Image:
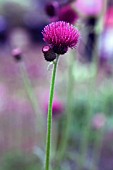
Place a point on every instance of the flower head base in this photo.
(60, 36)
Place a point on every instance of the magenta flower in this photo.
(89, 7)
(57, 108)
(61, 12)
(60, 36)
(68, 14)
(109, 18)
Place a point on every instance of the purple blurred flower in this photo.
(89, 7)
(68, 14)
(109, 18)
(61, 12)
(57, 108)
(61, 35)
(99, 121)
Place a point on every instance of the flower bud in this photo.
(49, 54)
(16, 53)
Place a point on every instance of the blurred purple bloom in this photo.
(61, 35)
(61, 12)
(109, 18)
(57, 108)
(89, 7)
(67, 14)
(99, 120)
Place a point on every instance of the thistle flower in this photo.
(68, 14)
(61, 12)
(57, 107)
(61, 36)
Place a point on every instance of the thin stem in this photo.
(49, 119)
(28, 87)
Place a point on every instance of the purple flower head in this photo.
(57, 108)
(60, 36)
(68, 14)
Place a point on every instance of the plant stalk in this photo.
(49, 119)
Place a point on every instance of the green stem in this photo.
(28, 87)
(49, 120)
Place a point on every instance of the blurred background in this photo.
(82, 134)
